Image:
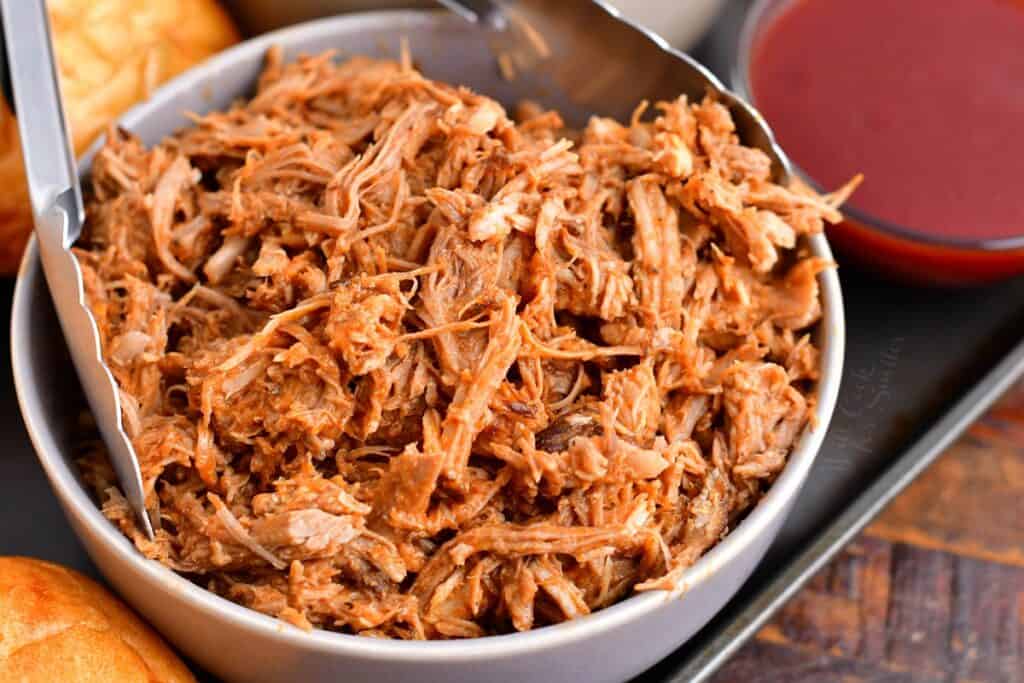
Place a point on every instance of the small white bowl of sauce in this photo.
(926, 99)
(681, 23)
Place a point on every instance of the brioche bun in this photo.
(110, 54)
(57, 625)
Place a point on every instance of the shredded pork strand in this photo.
(398, 365)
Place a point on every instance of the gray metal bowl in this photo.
(242, 645)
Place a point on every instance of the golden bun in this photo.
(57, 625)
(111, 54)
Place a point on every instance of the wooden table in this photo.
(933, 590)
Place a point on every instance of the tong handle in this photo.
(484, 13)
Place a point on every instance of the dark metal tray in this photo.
(921, 365)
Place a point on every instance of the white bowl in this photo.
(680, 22)
(238, 644)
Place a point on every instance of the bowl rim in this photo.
(80, 505)
(760, 17)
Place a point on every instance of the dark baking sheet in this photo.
(921, 365)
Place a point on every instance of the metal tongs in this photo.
(56, 199)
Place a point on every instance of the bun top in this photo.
(111, 54)
(57, 625)
(114, 53)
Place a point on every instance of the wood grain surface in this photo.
(932, 591)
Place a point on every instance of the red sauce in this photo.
(925, 97)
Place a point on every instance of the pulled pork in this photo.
(396, 364)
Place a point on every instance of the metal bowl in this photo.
(238, 644)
